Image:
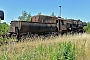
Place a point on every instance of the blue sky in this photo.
(76, 9)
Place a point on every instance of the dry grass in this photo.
(25, 50)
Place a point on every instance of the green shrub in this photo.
(87, 28)
(3, 28)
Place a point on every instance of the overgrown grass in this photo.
(76, 47)
(4, 41)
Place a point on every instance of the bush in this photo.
(87, 28)
(3, 28)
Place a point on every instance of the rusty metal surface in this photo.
(44, 19)
(11, 29)
(61, 19)
(37, 27)
(63, 24)
(25, 27)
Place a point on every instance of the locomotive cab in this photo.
(61, 25)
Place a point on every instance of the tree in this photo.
(28, 17)
(4, 28)
(66, 19)
(25, 16)
(87, 28)
(39, 13)
(52, 14)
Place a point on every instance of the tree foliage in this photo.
(87, 28)
(3, 28)
(39, 13)
(52, 14)
(25, 16)
(66, 19)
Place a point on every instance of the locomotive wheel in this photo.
(18, 37)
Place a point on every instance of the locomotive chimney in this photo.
(60, 11)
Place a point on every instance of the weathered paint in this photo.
(43, 19)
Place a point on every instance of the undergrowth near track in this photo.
(76, 47)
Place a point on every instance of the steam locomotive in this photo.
(41, 24)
